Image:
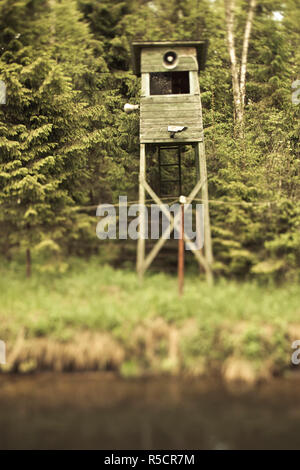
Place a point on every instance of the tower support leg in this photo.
(201, 165)
(141, 240)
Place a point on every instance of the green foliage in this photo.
(65, 142)
(213, 323)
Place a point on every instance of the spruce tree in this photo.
(42, 139)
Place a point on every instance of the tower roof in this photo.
(137, 46)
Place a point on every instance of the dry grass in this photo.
(97, 318)
(87, 351)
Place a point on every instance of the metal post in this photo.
(179, 169)
(181, 253)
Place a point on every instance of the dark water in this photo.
(100, 411)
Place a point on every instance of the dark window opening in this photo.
(169, 83)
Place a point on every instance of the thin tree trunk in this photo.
(28, 263)
(238, 73)
(229, 13)
(52, 4)
(247, 34)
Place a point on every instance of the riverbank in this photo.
(95, 318)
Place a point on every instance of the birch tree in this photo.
(238, 67)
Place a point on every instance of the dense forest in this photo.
(66, 145)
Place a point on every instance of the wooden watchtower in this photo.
(170, 117)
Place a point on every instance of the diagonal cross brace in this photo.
(174, 222)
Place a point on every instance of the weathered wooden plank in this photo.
(161, 126)
(175, 118)
(166, 135)
(161, 107)
(172, 120)
(180, 104)
(152, 59)
(145, 84)
(144, 48)
(194, 85)
(159, 111)
(146, 140)
(159, 60)
(153, 53)
(181, 67)
(162, 117)
(173, 106)
(163, 48)
(169, 111)
(189, 121)
(163, 131)
(157, 129)
(156, 107)
(176, 113)
(203, 177)
(164, 99)
(167, 139)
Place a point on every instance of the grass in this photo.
(156, 330)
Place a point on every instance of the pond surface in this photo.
(100, 411)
